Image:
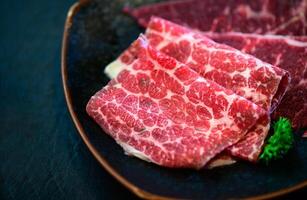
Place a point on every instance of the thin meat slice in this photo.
(221, 160)
(246, 75)
(284, 52)
(161, 111)
(280, 17)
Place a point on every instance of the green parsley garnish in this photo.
(280, 142)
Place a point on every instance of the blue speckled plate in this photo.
(96, 32)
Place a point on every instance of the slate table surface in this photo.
(42, 155)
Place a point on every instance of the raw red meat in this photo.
(286, 53)
(246, 75)
(162, 111)
(282, 17)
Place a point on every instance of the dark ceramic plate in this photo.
(95, 34)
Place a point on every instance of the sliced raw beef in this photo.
(246, 75)
(283, 17)
(161, 111)
(286, 53)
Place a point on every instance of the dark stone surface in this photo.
(42, 156)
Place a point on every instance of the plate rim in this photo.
(73, 10)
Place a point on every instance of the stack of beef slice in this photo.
(200, 87)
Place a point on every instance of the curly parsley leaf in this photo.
(280, 142)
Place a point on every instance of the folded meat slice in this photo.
(161, 111)
(278, 17)
(246, 75)
(288, 53)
